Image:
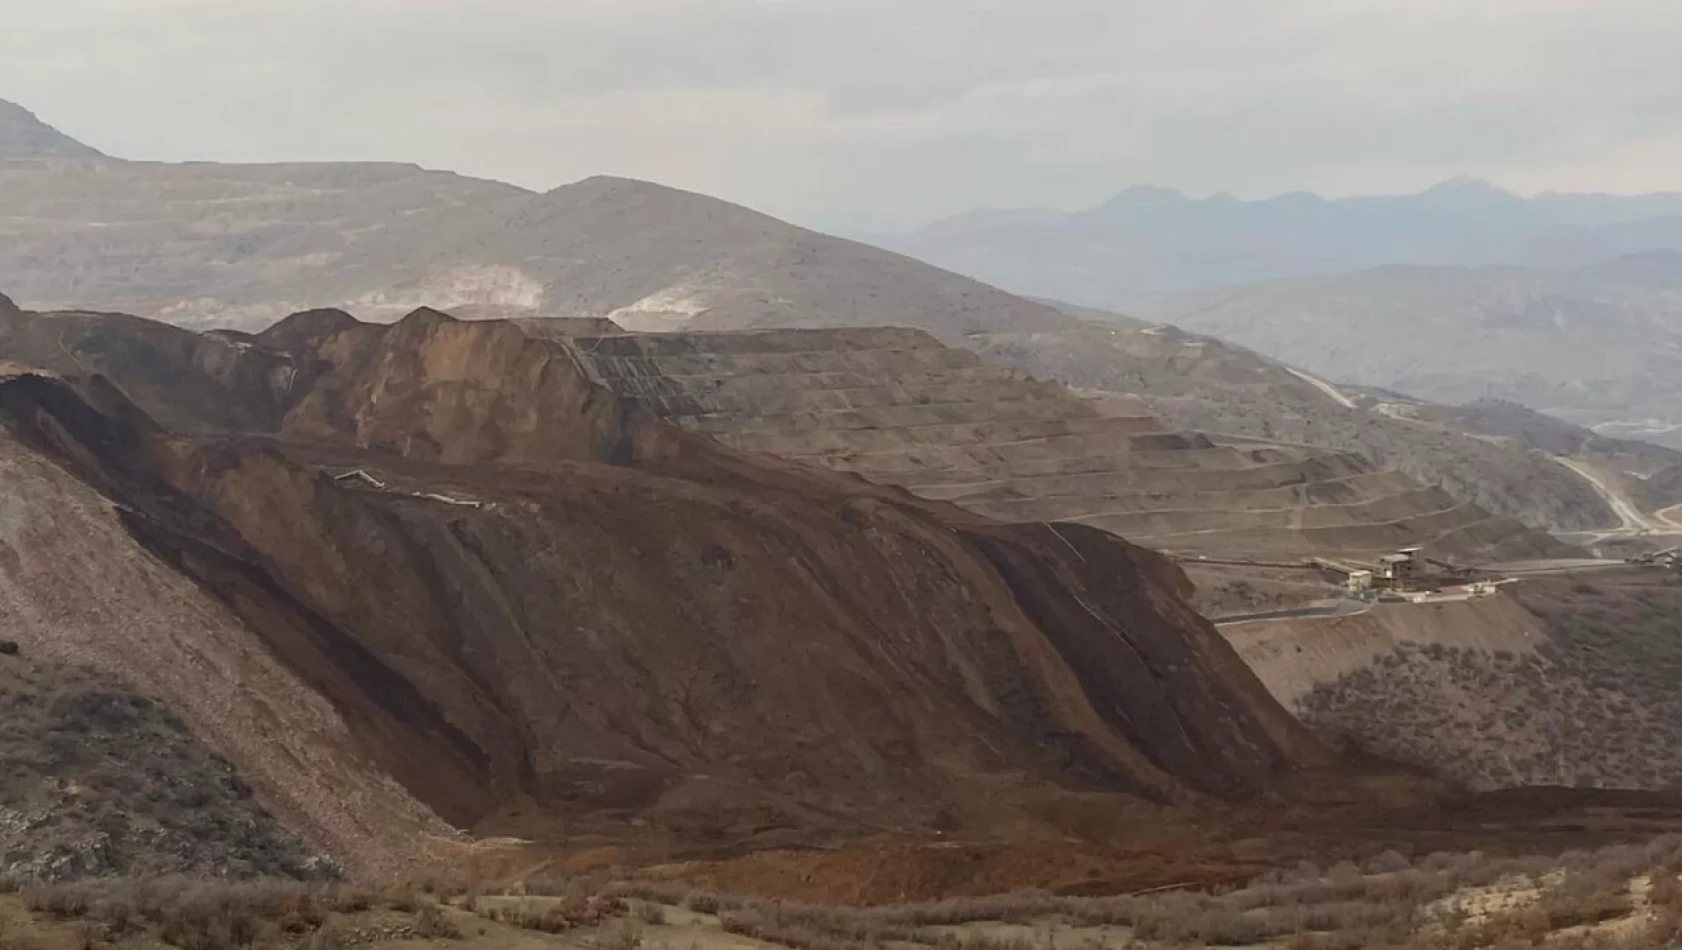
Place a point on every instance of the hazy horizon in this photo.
(871, 114)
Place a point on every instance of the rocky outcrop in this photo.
(547, 612)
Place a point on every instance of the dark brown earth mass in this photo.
(548, 613)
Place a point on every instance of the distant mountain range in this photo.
(1147, 244)
(1571, 304)
(1599, 345)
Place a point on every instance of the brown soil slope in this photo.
(544, 611)
(898, 407)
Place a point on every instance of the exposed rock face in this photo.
(544, 610)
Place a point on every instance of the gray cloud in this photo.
(880, 110)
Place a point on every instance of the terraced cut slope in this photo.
(898, 407)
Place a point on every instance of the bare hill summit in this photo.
(243, 245)
(22, 135)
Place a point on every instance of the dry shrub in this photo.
(405, 900)
(703, 902)
(190, 914)
(622, 936)
(559, 914)
(328, 937)
(430, 923)
(669, 893)
(350, 900)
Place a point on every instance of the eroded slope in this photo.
(545, 611)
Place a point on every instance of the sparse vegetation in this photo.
(1618, 898)
(1594, 706)
(103, 780)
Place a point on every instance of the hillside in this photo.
(102, 780)
(460, 581)
(1557, 681)
(241, 246)
(22, 135)
(1202, 384)
(1599, 346)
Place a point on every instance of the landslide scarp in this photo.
(547, 612)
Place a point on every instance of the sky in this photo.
(881, 114)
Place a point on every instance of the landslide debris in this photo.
(546, 612)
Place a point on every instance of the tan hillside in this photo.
(241, 246)
(899, 408)
(1204, 384)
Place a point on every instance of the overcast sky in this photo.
(881, 113)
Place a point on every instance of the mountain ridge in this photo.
(24, 135)
(1147, 244)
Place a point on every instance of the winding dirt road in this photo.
(1323, 386)
(1635, 522)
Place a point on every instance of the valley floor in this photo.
(1618, 897)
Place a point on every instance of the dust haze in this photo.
(880, 114)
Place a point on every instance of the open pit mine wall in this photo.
(898, 407)
(610, 625)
